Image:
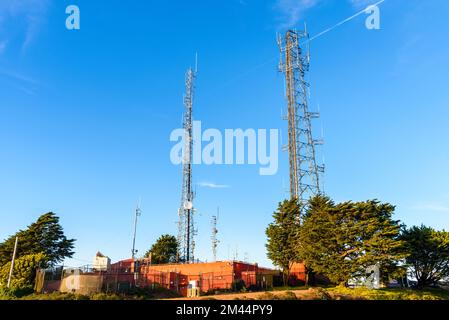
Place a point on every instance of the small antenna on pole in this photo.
(196, 62)
(137, 214)
(308, 42)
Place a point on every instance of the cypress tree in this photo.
(44, 236)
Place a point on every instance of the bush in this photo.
(238, 285)
(253, 288)
(24, 271)
(14, 293)
(105, 296)
(390, 294)
(56, 296)
(6, 294)
(147, 293)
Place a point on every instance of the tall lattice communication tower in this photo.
(304, 170)
(186, 228)
(213, 237)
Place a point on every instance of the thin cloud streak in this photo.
(21, 82)
(292, 11)
(32, 12)
(343, 22)
(212, 185)
(19, 77)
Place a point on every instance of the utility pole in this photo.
(304, 170)
(12, 262)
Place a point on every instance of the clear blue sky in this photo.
(85, 116)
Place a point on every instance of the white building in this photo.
(101, 262)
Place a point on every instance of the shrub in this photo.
(14, 293)
(6, 294)
(390, 294)
(238, 285)
(56, 296)
(24, 272)
(105, 296)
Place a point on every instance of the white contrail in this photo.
(344, 21)
(248, 71)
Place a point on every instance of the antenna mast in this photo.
(137, 214)
(186, 231)
(214, 239)
(304, 170)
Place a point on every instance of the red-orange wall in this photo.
(225, 267)
(298, 271)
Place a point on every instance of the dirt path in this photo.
(309, 294)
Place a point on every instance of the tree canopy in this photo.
(283, 233)
(164, 250)
(428, 254)
(44, 236)
(341, 240)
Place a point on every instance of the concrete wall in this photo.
(83, 283)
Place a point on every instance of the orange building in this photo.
(298, 274)
(210, 276)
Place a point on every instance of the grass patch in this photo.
(133, 294)
(387, 294)
(55, 296)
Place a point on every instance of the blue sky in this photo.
(85, 116)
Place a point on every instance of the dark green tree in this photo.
(44, 236)
(341, 240)
(428, 254)
(164, 250)
(283, 234)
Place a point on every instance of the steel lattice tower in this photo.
(304, 170)
(213, 237)
(186, 231)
